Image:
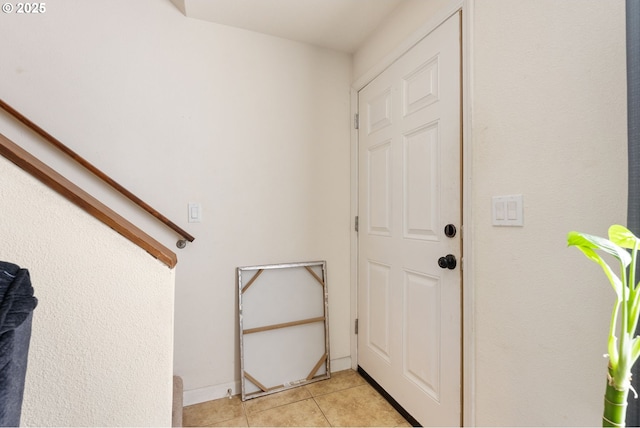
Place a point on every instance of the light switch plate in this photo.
(194, 213)
(507, 211)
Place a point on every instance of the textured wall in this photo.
(102, 338)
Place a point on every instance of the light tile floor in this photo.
(344, 400)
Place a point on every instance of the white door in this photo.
(409, 307)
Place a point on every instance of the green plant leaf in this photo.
(597, 243)
(589, 243)
(623, 237)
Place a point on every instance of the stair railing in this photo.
(98, 173)
(36, 168)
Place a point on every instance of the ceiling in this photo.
(342, 25)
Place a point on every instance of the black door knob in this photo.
(447, 262)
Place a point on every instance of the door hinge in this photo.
(356, 326)
(356, 121)
(357, 223)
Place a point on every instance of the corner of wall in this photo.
(181, 5)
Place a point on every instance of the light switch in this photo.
(507, 211)
(195, 212)
(499, 210)
(512, 210)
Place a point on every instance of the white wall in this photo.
(253, 127)
(548, 122)
(407, 18)
(100, 352)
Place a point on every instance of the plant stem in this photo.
(615, 406)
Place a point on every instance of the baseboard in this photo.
(340, 364)
(214, 392)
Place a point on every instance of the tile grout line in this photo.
(313, 397)
(322, 411)
(329, 393)
(244, 412)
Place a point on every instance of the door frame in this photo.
(468, 340)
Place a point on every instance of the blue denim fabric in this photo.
(16, 314)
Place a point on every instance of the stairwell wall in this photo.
(102, 335)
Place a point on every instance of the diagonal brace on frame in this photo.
(319, 364)
(315, 275)
(260, 385)
(252, 280)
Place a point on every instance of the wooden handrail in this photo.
(101, 175)
(73, 193)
